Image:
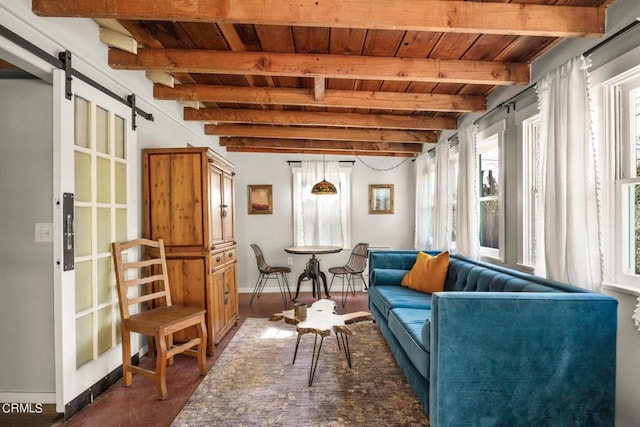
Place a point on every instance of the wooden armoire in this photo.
(189, 202)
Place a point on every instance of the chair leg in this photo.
(126, 357)
(151, 346)
(169, 345)
(286, 282)
(353, 284)
(345, 293)
(257, 290)
(364, 284)
(161, 367)
(202, 347)
(280, 279)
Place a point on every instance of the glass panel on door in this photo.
(101, 216)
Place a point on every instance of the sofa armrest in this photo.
(503, 358)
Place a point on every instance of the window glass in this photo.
(102, 130)
(631, 226)
(635, 131)
(633, 190)
(453, 191)
(530, 144)
(489, 169)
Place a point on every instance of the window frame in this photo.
(493, 135)
(626, 175)
(528, 122)
(609, 84)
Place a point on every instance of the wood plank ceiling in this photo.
(364, 77)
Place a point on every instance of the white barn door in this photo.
(95, 170)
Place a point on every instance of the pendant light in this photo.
(324, 186)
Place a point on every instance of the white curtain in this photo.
(441, 202)
(321, 214)
(425, 184)
(467, 242)
(567, 206)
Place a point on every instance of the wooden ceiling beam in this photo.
(306, 118)
(313, 145)
(332, 98)
(319, 88)
(117, 40)
(425, 15)
(321, 65)
(312, 151)
(335, 134)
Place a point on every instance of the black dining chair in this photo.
(267, 272)
(351, 270)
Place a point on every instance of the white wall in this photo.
(26, 267)
(275, 232)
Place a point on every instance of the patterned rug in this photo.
(254, 383)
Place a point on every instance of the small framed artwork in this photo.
(381, 198)
(260, 199)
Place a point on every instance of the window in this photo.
(617, 125)
(453, 195)
(628, 183)
(491, 205)
(425, 188)
(327, 205)
(528, 171)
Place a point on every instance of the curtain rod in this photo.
(353, 162)
(503, 104)
(588, 52)
(612, 37)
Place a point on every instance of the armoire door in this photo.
(227, 208)
(215, 205)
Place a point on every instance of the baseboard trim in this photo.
(87, 397)
(25, 397)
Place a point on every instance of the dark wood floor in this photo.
(138, 405)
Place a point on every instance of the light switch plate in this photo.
(44, 231)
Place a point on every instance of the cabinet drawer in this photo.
(217, 259)
(230, 255)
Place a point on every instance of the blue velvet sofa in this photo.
(498, 347)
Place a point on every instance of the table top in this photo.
(313, 249)
(322, 319)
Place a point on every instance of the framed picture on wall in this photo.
(381, 198)
(260, 199)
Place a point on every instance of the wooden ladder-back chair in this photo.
(161, 319)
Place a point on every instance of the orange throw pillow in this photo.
(428, 273)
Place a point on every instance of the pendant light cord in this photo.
(385, 169)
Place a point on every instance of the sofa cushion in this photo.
(406, 325)
(428, 273)
(386, 276)
(386, 298)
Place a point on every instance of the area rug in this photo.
(254, 383)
